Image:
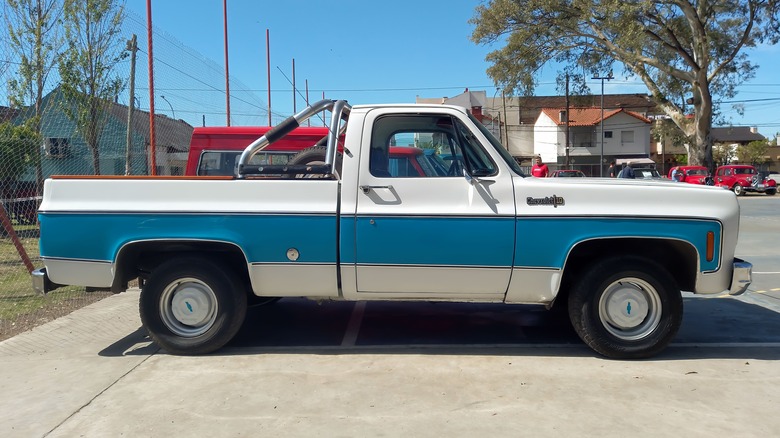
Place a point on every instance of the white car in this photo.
(771, 174)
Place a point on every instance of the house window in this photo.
(626, 137)
(582, 140)
(56, 147)
(607, 134)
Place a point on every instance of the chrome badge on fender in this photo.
(553, 200)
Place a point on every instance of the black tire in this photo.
(192, 305)
(771, 192)
(738, 189)
(315, 155)
(600, 307)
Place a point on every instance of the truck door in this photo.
(434, 236)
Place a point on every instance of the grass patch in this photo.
(21, 308)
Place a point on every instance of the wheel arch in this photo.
(136, 259)
(679, 257)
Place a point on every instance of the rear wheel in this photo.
(738, 189)
(626, 307)
(192, 305)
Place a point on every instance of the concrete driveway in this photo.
(299, 368)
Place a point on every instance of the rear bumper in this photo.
(41, 283)
(741, 277)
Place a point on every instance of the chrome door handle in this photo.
(367, 189)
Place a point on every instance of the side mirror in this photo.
(475, 175)
(480, 173)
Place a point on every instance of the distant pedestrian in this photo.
(627, 171)
(539, 169)
(612, 171)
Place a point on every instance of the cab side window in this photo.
(423, 146)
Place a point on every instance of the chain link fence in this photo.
(189, 91)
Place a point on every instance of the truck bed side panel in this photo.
(83, 235)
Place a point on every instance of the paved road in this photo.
(301, 368)
(759, 242)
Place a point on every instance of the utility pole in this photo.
(268, 70)
(152, 134)
(295, 110)
(567, 122)
(132, 46)
(227, 70)
(506, 124)
(601, 153)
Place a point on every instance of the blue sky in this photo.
(381, 52)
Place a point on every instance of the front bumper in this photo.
(741, 277)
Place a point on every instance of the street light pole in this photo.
(601, 153)
(169, 104)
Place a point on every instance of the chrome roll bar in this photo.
(339, 109)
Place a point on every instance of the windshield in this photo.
(697, 172)
(646, 173)
(508, 158)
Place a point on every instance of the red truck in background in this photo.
(215, 151)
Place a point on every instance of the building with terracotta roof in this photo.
(623, 136)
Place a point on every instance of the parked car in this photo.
(741, 178)
(646, 173)
(690, 174)
(566, 173)
(770, 174)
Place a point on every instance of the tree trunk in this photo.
(96, 160)
(700, 153)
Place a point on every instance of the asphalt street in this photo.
(304, 368)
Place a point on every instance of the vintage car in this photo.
(689, 174)
(742, 178)
(566, 173)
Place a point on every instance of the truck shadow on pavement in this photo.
(712, 328)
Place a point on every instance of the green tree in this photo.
(753, 152)
(678, 48)
(722, 154)
(18, 148)
(35, 37)
(88, 82)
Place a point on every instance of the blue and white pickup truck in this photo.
(336, 225)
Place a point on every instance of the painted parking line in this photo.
(726, 344)
(353, 328)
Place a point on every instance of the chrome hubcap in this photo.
(188, 307)
(630, 309)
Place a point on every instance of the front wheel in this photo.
(626, 308)
(738, 189)
(771, 192)
(192, 305)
